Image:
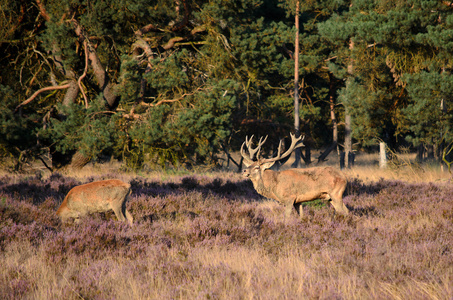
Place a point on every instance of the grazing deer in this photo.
(293, 186)
(97, 196)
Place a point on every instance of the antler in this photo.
(252, 152)
(291, 148)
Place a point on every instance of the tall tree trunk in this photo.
(307, 139)
(348, 130)
(333, 117)
(347, 140)
(296, 87)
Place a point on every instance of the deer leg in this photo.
(337, 199)
(128, 215)
(288, 209)
(299, 209)
(119, 213)
(339, 206)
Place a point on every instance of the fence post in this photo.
(382, 156)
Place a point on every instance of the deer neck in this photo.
(263, 185)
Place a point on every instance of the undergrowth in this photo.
(214, 237)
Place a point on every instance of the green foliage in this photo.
(59, 40)
(425, 119)
(186, 80)
(17, 132)
(172, 69)
(196, 127)
(92, 131)
(370, 109)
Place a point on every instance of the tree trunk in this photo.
(79, 161)
(307, 143)
(59, 160)
(332, 111)
(71, 93)
(107, 87)
(323, 156)
(347, 140)
(296, 87)
(333, 118)
(421, 153)
(347, 119)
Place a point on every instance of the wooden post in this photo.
(382, 156)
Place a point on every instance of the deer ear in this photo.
(246, 163)
(267, 165)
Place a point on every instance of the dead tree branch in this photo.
(49, 88)
(79, 81)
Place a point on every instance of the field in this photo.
(211, 236)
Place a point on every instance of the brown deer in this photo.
(97, 196)
(292, 187)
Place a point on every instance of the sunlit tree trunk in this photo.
(348, 132)
(296, 87)
(332, 110)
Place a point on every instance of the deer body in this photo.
(294, 186)
(94, 197)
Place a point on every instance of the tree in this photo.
(428, 115)
(106, 77)
(390, 40)
(318, 109)
(296, 83)
(178, 82)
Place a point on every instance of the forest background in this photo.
(182, 81)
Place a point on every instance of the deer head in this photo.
(255, 168)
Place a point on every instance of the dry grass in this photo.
(405, 168)
(402, 167)
(210, 236)
(427, 173)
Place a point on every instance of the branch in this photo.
(185, 20)
(372, 45)
(231, 158)
(45, 164)
(98, 69)
(171, 43)
(287, 51)
(142, 44)
(323, 155)
(49, 88)
(146, 29)
(79, 81)
(169, 100)
(20, 18)
(42, 10)
(331, 58)
(160, 102)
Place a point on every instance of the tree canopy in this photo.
(181, 81)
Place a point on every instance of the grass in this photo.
(210, 236)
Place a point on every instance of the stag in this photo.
(97, 196)
(292, 187)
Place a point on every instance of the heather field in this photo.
(212, 236)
